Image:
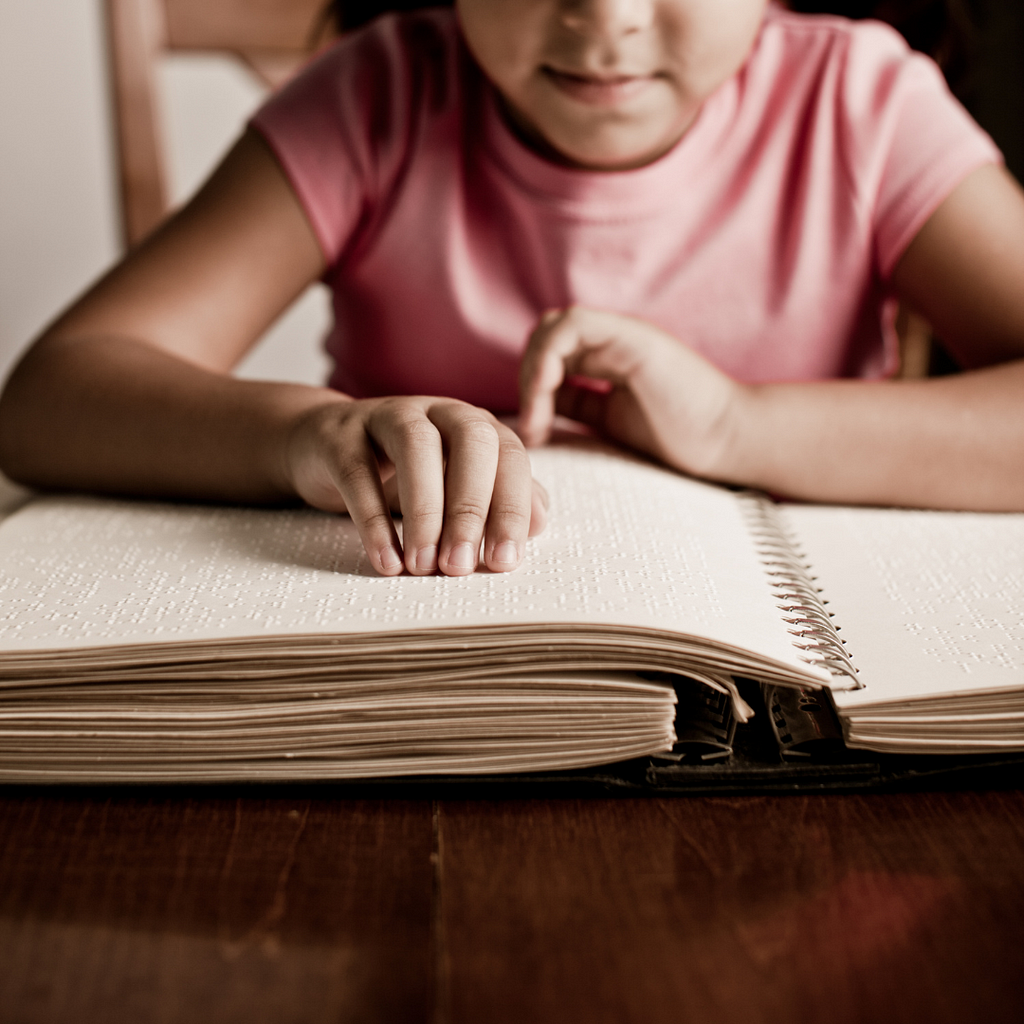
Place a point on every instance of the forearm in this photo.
(115, 415)
(954, 442)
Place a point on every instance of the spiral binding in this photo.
(798, 598)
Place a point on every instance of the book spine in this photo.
(800, 601)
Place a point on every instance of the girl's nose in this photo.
(607, 18)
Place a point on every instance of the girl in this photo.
(704, 208)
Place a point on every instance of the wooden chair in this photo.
(271, 37)
(917, 346)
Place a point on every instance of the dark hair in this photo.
(936, 27)
(349, 14)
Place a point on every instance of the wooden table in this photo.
(306, 906)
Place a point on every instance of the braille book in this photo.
(168, 642)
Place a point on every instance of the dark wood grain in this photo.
(274, 906)
(769, 909)
(135, 908)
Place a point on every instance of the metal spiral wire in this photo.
(799, 600)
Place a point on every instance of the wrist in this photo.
(304, 426)
(711, 428)
(727, 455)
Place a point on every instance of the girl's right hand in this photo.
(457, 475)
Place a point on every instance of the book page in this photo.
(929, 603)
(628, 545)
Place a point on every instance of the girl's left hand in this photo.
(646, 389)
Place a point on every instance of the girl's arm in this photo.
(129, 391)
(952, 442)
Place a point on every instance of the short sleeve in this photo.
(909, 141)
(343, 128)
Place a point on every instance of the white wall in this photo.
(57, 203)
(59, 221)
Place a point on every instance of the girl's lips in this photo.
(597, 91)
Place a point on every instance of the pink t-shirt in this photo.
(764, 239)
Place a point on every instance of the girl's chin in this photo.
(598, 142)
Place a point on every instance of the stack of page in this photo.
(931, 606)
(159, 641)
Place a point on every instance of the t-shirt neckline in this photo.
(603, 195)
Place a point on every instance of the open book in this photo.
(157, 641)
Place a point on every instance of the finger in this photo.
(613, 352)
(472, 445)
(356, 475)
(509, 517)
(541, 372)
(391, 493)
(540, 503)
(411, 441)
(582, 342)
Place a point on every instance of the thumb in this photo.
(585, 400)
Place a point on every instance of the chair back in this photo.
(271, 37)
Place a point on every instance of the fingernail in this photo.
(462, 556)
(426, 558)
(390, 559)
(506, 553)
